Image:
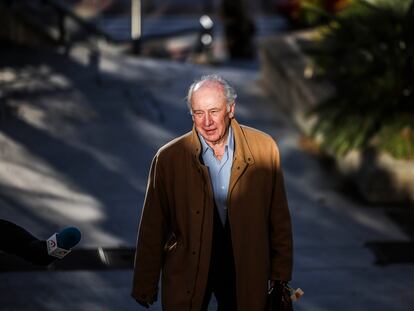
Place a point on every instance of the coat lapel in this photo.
(242, 156)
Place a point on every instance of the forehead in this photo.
(207, 95)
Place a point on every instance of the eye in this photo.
(214, 112)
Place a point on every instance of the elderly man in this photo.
(215, 218)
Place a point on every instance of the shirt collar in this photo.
(229, 144)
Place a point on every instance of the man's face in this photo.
(210, 114)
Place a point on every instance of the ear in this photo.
(231, 111)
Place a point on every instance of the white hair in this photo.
(229, 91)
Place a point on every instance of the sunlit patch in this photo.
(48, 191)
(36, 183)
(153, 134)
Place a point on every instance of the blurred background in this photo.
(90, 89)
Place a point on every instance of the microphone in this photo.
(60, 244)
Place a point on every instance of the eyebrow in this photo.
(200, 110)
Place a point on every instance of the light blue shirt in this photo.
(220, 171)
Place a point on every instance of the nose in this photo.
(207, 120)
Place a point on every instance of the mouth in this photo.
(209, 132)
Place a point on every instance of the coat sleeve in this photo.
(281, 242)
(151, 237)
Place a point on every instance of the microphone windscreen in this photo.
(68, 237)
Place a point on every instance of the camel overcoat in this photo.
(175, 232)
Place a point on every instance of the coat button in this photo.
(238, 167)
(194, 253)
(188, 292)
(197, 212)
(143, 296)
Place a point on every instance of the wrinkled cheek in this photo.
(198, 128)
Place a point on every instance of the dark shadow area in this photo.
(404, 217)
(78, 259)
(395, 252)
(387, 253)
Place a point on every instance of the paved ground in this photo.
(76, 139)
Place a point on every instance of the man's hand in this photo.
(145, 301)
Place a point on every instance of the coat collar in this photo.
(242, 153)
